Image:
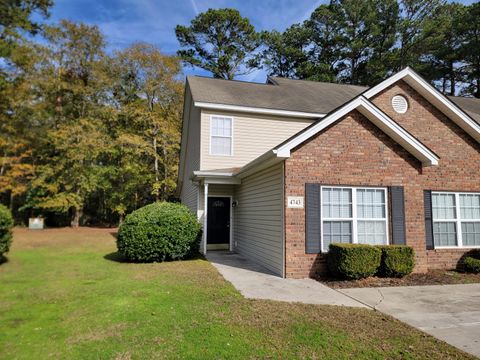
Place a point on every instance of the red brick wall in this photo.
(355, 152)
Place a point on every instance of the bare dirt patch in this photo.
(98, 334)
(124, 356)
(65, 237)
(434, 277)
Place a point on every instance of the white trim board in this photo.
(206, 173)
(284, 242)
(435, 97)
(205, 217)
(257, 110)
(376, 116)
(213, 177)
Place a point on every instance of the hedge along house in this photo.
(278, 171)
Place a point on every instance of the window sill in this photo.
(222, 155)
(456, 247)
(325, 252)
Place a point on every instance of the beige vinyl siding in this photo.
(252, 136)
(191, 158)
(258, 224)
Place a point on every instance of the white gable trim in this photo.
(376, 116)
(257, 110)
(435, 97)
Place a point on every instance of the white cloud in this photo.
(309, 12)
(194, 6)
(126, 21)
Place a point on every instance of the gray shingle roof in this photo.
(292, 95)
(279, 94)
(470, 105)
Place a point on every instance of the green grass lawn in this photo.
(63, 296)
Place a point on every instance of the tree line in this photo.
(346, 41)
(88, 135)
(85, 136)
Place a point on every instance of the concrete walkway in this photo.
(448, 312)
(255, 282)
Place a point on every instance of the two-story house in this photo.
(278, 171)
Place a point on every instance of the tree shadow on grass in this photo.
(3, 259)
(115, 257)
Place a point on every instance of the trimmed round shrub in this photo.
(158, 232)
(472, 263)
(353, 261)
(397, 260)
(6, 225)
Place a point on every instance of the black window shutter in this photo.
(313, 207)
(398, 215)
(427, 202)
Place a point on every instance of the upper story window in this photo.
(221, 135)
(354, 215)
(456, 219)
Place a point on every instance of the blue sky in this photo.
(126, 21)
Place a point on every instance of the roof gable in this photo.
(377, 117)
(432, 95)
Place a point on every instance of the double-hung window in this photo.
(221, 136)
(354, 215)
(456, 219)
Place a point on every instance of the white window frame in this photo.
(458, 221)
(354, 219)
(229, 137)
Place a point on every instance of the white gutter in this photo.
(211, 173)
(257, 110)
(212, 177)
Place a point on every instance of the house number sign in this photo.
(295, 202)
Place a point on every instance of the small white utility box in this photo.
(35, 223)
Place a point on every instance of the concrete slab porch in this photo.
(255, 282)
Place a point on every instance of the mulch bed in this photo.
(436, 277)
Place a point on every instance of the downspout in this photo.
(284, 243)
(205, 216)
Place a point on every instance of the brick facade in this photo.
(355, 152)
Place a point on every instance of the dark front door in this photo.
(218, 223)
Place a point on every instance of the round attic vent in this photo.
(400, 104)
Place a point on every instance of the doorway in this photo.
(218, 222)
